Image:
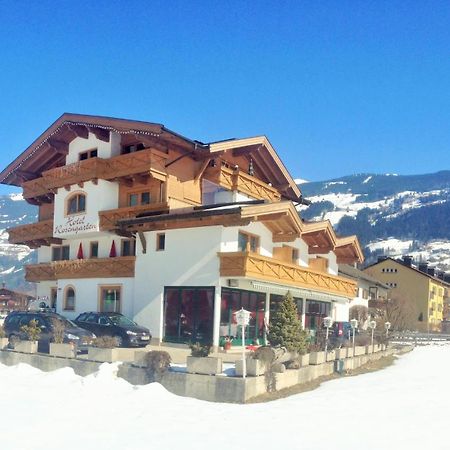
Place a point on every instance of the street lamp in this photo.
(242, 319)
(372, 326)
(354, 325)
(328, 322)
(387, 325)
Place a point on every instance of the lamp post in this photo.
(387, 325)
(242, 319)
(372, 326)
(328, 322)
(354, 325)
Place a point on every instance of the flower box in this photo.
(26, 346)
(104, 354)
(331, 355)
(360, 350)
(316, 358)
(209, 365)
(63, 350)
(254, 367)
(304, 360)
(341, 353)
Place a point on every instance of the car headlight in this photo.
(72, 336)
(131, 333)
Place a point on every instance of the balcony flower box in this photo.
(26, 346)
(209, 365)
(316, 358)
(63, 350)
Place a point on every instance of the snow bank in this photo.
(372, 411)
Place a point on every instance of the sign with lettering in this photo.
(74, 225)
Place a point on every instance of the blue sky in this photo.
(338, 87)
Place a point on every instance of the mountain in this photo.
(15, 211)
(391, 214)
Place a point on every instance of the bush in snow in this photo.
(200, 350)
(157, 363)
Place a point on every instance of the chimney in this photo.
(431, 271)
(407, 260)
(423, 267)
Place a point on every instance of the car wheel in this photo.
(119, 340)
(12, 341)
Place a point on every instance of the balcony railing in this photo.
(146, 161)
(32, 234)
(253, 265)
(122, 266)
(236, 180)
(109, 218)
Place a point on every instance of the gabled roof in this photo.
(400, 263)
(50, 148)
(260, 151)
(356, 274)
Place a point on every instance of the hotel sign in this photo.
(74, 225)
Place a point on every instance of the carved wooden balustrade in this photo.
(146, 162)
(121, 266)
(109, 218)
(253, 265)
(33, 234)
(236, 180)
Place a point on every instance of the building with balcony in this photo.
(422, 286)
(175, 233)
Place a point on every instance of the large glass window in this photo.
(315, 312)
(188, 314)
(110, 299)
(276, 299)
(232, 301)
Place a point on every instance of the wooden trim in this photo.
(118, 267)
(30, 233)
(255, 266)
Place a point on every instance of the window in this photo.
(93, 250)
(250, 240)
(61, 253)
(69, 299)
(110, 299)
(76, 204)
(160, 241)
(53, 297)
(128, 247)
(139, 198)
(132, 148)
(88, 154)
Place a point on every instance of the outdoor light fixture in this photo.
(242, 319)
(387, 326)
(372, 326)
(354, 325)
(328, 323)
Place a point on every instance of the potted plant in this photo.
(199, 361)
(32, 333)
(104, 349)
(3, 338)
(227, 342)
(58, 347)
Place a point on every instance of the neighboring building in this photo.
(423, 287)
(175, 233)
(11, 300)
(371, 292)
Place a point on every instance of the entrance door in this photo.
(188, 314)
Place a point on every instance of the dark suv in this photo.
(126, 332)
(45, 320)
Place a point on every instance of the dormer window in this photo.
(88, 154)
(76, 204)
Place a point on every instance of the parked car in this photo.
(342, 331)
(45, 320)
(126, 332)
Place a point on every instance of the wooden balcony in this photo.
(253, 265)
(34, 234)
(145, 162)
(237, 180)
(109, 218)
(122, 266)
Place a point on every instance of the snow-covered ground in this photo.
(401, 407)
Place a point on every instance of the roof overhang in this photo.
(348, 250)
(50, 148)
(266, 162)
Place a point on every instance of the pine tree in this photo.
(285, 327)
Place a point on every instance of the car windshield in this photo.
(121, 320)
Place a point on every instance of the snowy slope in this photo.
(379, 410)
(391, 214)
